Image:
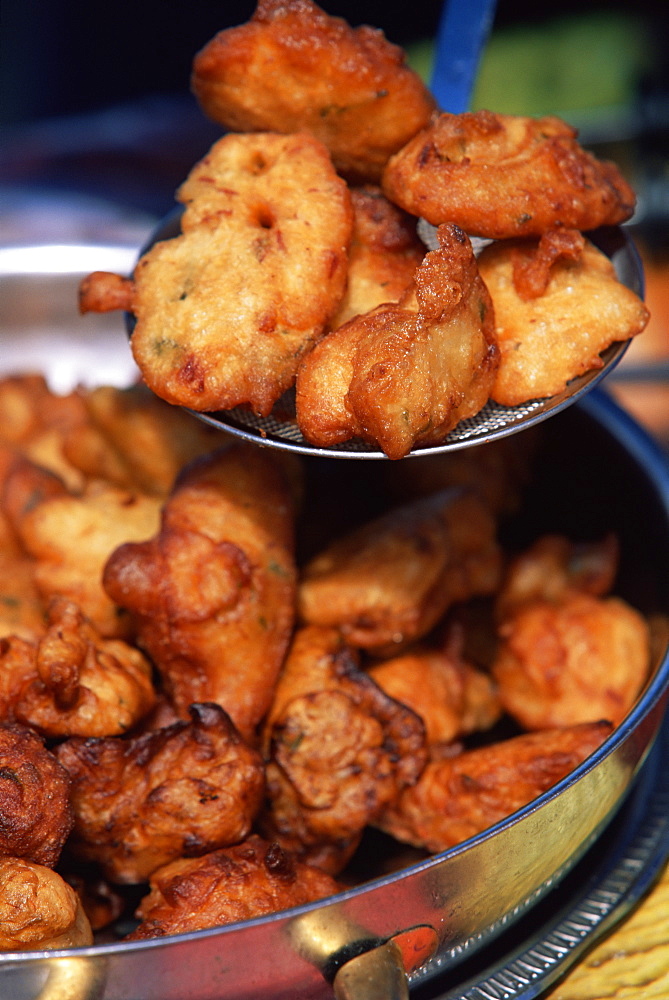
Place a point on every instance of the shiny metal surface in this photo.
(467, 895)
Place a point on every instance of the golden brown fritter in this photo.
(212, 594)
(548, 339)
(135, 440)
(225, 310)
(21, 607)
(38, 909)
(338, 750)
(576, 660)
(35, 421)
(102, 291)
(450, 695)
(457, 797)
(405, 374)
(500, 176)
(388, 582)
(292, 68)
(35, 812)
(553, 567)
(72, 682)
(70, 538)
(236, 883)
(384, 253)
(141, 802)
(567, 653)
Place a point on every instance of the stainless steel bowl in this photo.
(597, 471)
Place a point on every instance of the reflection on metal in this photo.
(375, 975)
(74, 979)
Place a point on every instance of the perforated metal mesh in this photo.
(492, 422)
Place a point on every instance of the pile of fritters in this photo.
(298, 266)
(217, 676)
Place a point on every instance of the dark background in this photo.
(69, 56)
(95, 100)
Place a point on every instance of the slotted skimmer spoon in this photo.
(462, 33)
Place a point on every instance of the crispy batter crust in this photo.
(500, 176)
(405, 374)
(176, 792)
(35, 812)
(72, 682)
(38, 909)
(292, 67)
(547, 339)
(338, 750)
(236, 883)
(225, 311)
(213, 592)
(388, 582)
(460, 796)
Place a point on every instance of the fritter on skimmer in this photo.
(225, 311)
(555, 311)
(180, 791)
(212, 594)
(457, 797)
(406, 373)
(292, 68)
(384, 254)
(38, 909)
(236, 883)
(499, 176)
(338, 750)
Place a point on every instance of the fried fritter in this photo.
(222, 317)
(450, 695)
(293, 68)
(70, 538)
(553, 567)
(236, 883)
(567, 653)
(38, 909)
(457, 797)
(548, 339)
(500, 176)
(212, 594)
(71, 682)
(135, 440)
(35, 421)
(338, 750)
(388, 582)
(35, 812)
(405, 374)
(21, 607)
(580, 659)
(384, 254)
(182, 791)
